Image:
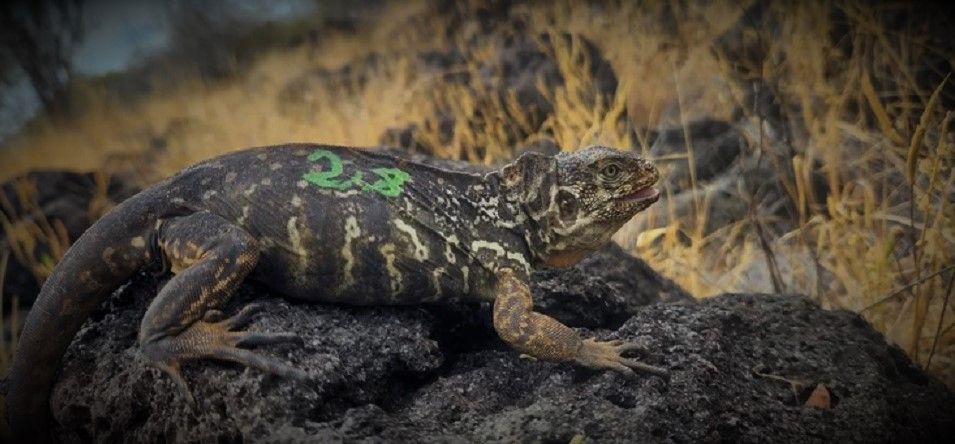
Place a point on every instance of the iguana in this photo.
(334, 224)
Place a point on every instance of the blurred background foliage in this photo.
(806, 146)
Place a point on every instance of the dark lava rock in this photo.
(524, 68)
(715, 145)
(439, 374)
(604, 290)
(721, 161)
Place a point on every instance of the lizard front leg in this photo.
(547, 339)
(210, 258)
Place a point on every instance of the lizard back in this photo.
(360, 227)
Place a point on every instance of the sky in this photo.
(117, 33)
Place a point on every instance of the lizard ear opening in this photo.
(531, 179)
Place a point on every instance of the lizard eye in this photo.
(611, 171)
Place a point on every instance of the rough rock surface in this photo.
(439, 374)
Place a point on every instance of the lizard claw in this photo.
(624, 346)
(607, 355)
(264, 338)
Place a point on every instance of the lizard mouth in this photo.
(648, 194)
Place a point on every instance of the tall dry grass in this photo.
(863, 126)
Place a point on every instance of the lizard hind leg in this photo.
(210, 258)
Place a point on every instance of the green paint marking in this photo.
(390, 181)
(325, 179)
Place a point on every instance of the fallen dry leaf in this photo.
(819, 398)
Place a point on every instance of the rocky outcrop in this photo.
(742, 367)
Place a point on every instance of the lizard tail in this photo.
(100, 261)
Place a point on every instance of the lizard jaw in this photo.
(648, 194)
(629, 205)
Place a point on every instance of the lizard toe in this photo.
(243, 317)
(213, 316)
(625, 346)
(252, 338)
(252, 359)
(643, 367)
(607, 355)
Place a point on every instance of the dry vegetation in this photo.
(863, 123)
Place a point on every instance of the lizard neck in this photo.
(530, 214)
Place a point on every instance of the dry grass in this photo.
(28, 231)
(881, 241)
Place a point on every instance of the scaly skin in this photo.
(334, 224)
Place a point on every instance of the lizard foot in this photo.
(217, 337)
(607, 355)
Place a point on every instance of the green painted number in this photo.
(325, 179)
(390, 181)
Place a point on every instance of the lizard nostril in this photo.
(650, 171)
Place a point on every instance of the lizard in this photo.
(322, 223)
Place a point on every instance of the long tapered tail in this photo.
(100, 261)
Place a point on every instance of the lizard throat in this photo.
(566, 259)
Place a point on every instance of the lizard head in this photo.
(577, 201)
